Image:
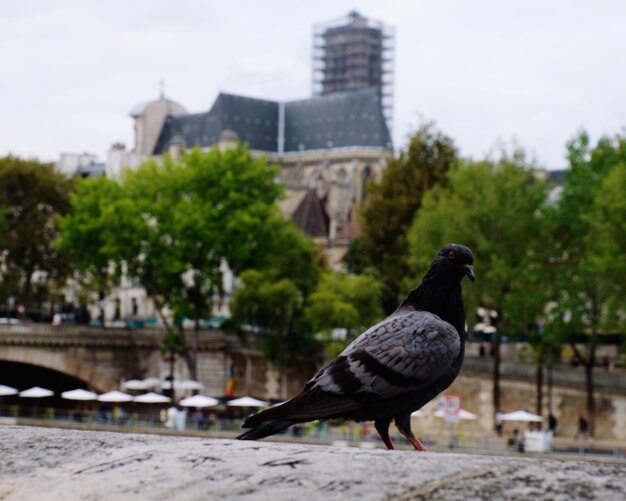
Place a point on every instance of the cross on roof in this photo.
(162, 87)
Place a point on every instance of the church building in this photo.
(327, 146)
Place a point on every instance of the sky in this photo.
(525, 73)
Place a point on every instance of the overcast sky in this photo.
(532, 72)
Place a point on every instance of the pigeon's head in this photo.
(456, 261)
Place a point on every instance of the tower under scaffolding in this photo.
(354, 53)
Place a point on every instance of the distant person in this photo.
(481, 351)
(583, 427)
(170, 417)
(499, 423)
(180, 419)
(515, 441)
(552, 422)
(198, 419)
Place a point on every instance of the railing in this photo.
(562, 375)
(46, 334)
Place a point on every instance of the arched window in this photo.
(366, 175)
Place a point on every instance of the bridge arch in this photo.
(60, 365)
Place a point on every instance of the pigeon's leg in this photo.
(382, 427)
(404, 426)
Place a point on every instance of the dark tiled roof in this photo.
(348, 119)
(310, 216)
(254, 120)
(345, 119)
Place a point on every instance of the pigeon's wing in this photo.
(404, 353)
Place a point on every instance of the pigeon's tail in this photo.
(265, 429)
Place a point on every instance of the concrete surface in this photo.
(55, 464)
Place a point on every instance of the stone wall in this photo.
(47, 463)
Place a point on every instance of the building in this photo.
(327, 147)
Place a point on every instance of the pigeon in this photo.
(393, 368)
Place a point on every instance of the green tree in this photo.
(86, 235)
(173, 226)
(269, 300)
(586, 232)
(496, 210)
(343, 301)
(606, 242)
(32, 195)
(392, 203)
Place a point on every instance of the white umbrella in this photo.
(463, 414)
(199, 401)
(189, 384)
(246, 402)
(152, 382)
(521, 416)
(134, 384)
(79, 394)
(152, 398)
(115, 396)
(7, 390)
(36, 392)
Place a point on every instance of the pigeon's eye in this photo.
(451, 255)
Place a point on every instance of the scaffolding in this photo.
(353, 53)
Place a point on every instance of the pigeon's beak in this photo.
(469, 271)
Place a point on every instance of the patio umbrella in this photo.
(79, 394)
(246, 402)
(152, 398)
(134, 384)
(151, 382)
(463, 414)
(521, 416)
(7, 390)
(115, 396)
(36, 392)
(199, 401)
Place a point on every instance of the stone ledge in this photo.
(58, 464)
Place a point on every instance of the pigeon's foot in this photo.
(403, 422)
(419, 446)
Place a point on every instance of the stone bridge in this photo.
(102, 358)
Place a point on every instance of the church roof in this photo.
(310, 216)
(339, 120)
(348, 119)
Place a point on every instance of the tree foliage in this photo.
(343, 301)
(87, 233)
(392, 203)
(172, 226)
(270, 299)
(32, 195)
(496, 210)
(587, 238)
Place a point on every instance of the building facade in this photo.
(327, 148)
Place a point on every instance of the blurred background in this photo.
(225, 195)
